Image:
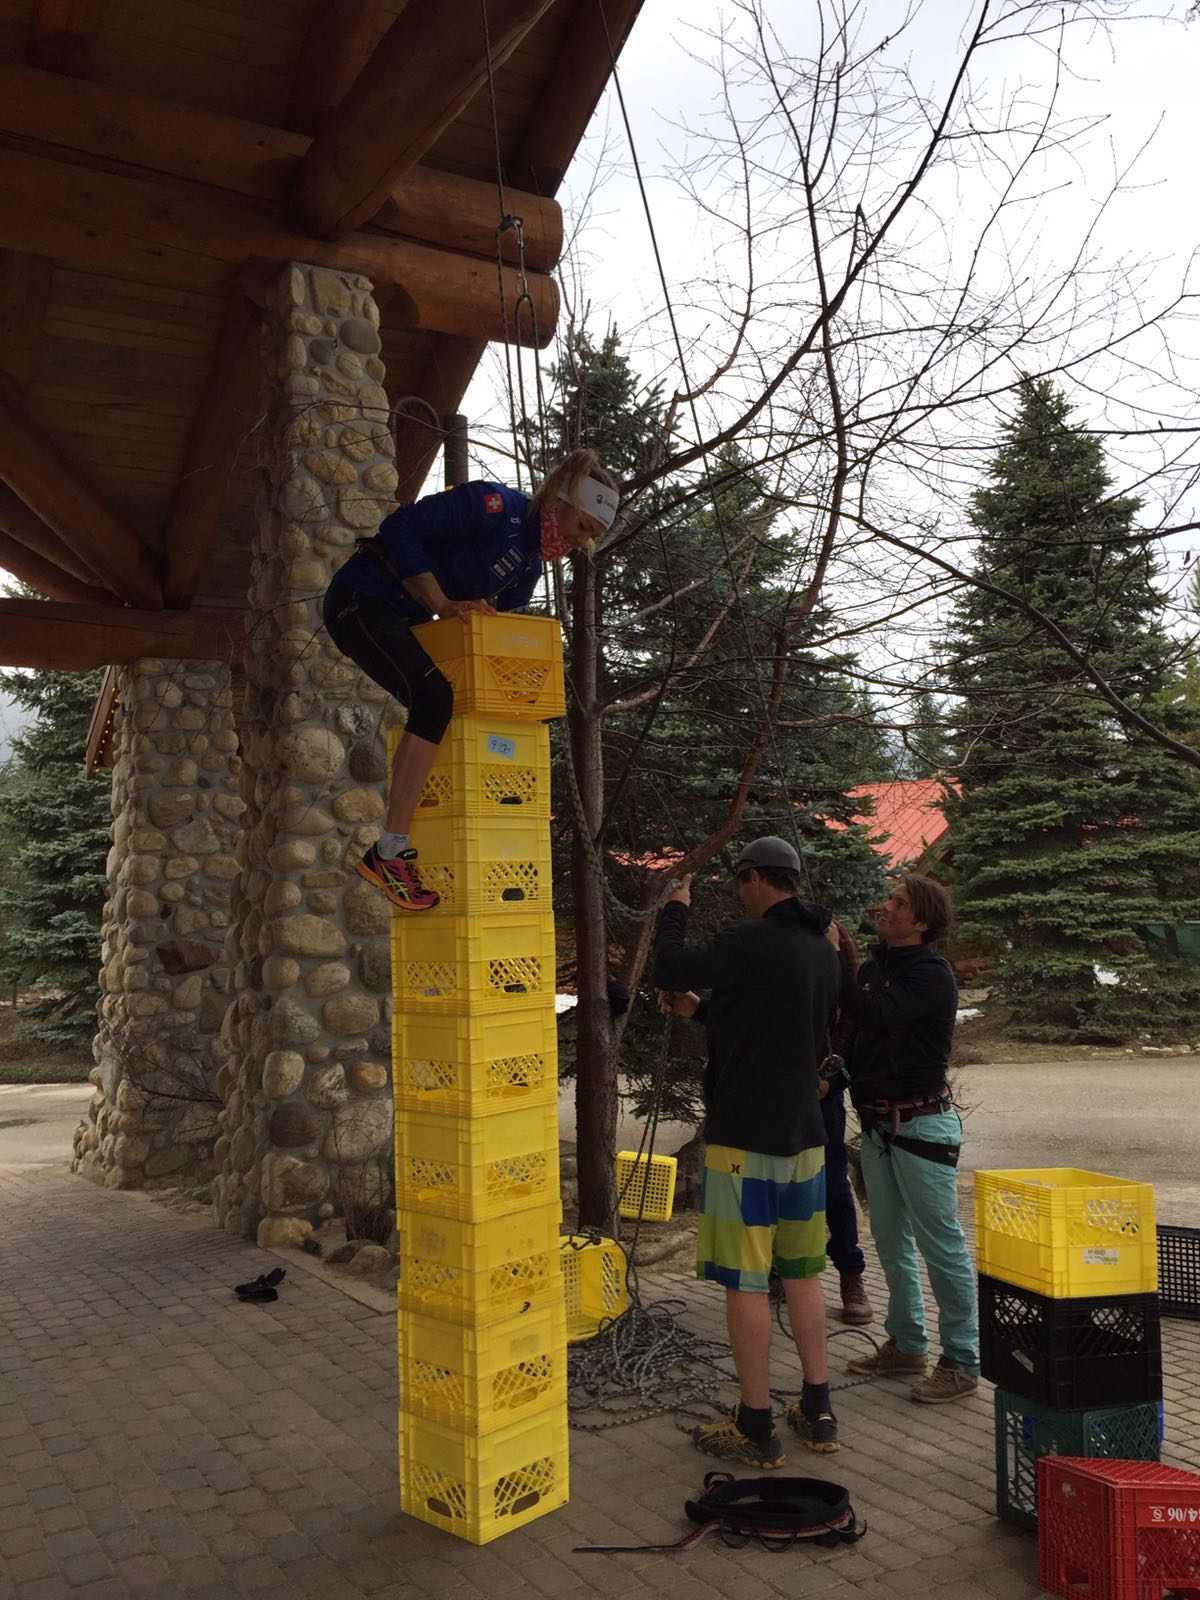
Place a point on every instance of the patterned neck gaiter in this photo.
(553, 544)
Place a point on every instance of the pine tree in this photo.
(1071, 835)
(55, 824)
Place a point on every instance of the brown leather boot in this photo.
(856, 1308)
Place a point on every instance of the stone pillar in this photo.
(176, 817)
(307, 1123)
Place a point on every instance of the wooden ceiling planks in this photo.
(128, 334)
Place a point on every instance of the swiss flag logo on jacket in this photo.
(493, 503)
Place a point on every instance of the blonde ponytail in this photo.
(565, 478)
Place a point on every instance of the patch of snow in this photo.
(564, 1002)
(968, 1014)
(1103, 976)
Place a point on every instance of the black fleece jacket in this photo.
(774, 991)
(903, 1007)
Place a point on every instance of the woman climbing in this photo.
(477, 547)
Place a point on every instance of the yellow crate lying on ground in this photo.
(508, 665)
(476, 1168)
(485, 864)
(484, 963)
(488, 766)
(595, 1283)
(479, 1379)
(1065, 1232)
(480, 1272)
(466, 1064)
(482, 1485)
(655, 1176)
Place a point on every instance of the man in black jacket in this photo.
(903, 1006)
(773, 985)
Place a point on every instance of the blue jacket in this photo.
(481, 541)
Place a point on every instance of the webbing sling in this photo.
(778, 1512)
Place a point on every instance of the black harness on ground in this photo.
(885, 1116)
(778, 1512)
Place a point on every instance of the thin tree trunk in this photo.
(596, 1070)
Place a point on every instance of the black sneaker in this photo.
(818, 1433)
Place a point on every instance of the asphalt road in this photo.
(1137, 1117)
(1134, 1117)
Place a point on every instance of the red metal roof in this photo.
(908, 820)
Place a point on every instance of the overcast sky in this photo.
(1132, 86)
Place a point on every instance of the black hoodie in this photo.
(774, 990)
(903, 1007)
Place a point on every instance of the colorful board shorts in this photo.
(759, 1212)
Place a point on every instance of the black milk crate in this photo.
(1069, 1354)
(1025, 1432)
(1179, 1272)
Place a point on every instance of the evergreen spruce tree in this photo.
(55, 824)
(1072, 835)
(671, 755)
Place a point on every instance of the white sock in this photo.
(391, 844)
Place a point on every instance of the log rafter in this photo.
(97, 123)
(336, 48)
(149, 229)
(71, 507)
(222, 421)
(572, 93)
(74, 638)
(422, 75)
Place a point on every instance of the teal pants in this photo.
(914, 1206)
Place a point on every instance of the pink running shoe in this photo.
(398, 878)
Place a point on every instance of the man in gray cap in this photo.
(773, 990)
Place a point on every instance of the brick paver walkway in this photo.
(159, 1439)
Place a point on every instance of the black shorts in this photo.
(377, 638)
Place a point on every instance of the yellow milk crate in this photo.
(595, 1283)
(481, 865)
(508, 665)
(477, 1168)
(655, 1176)
(480, 963)
(465, 1064)
(480, 1379)
(488, 766)
(1065, 1232)
(482, 1485)
(478, 1273)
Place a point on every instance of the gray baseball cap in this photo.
(768, 852)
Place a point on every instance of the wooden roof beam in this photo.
(564, 109)
(18, 522)
(158, 232)
(222, 421)
(75, 638)
(63, 35)
(422, 75)
(336, 48)
(96, 122)
(43, 575)
(71, 507)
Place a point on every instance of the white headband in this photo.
(597, 500)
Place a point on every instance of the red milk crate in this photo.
(1118, 1530)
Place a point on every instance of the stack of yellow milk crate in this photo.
(482, 1335)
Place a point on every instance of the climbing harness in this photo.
(885, 1116)
(778, 1512)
